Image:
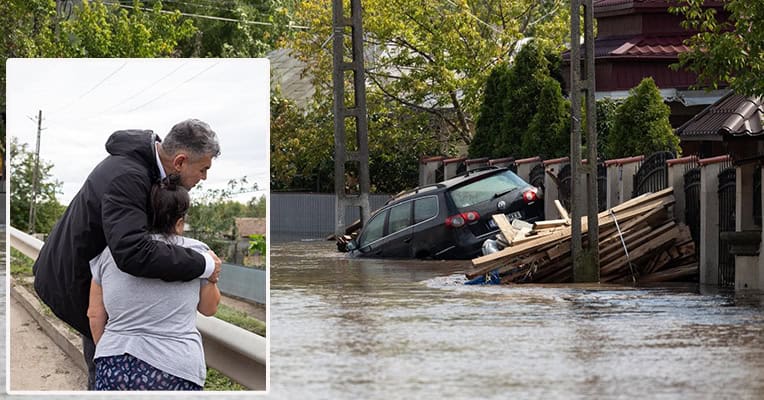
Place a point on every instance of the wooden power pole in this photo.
(35, 174)
(355, 150)
(585, 260)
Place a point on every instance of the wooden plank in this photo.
(499, 262)
(605, 220)
(688, 271)
(505, 227)
(663, 240)
(563, 212)
(641, 199)
(548, 224)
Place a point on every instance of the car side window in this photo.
(425, 209)
(400, 218)
(374, 229)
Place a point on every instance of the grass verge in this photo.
(218, 381)
(21, 265)
(240, 319)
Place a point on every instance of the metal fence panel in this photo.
(727, 183)
(692, 204)
(652, 175)
(296, 216)
(243, 282)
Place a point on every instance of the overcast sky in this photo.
(84, 100)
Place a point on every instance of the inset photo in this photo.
(137, 224)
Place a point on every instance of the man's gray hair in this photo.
(193, 136)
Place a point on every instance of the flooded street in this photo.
(348, 328)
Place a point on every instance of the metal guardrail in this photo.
(243, 282)
(235, 352)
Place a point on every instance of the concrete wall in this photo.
(450, 167)
(709, 221)
(551, 191)
(620, 179)
(525, 165)
(427, 169)
(749, 269)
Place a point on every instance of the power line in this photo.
(201, 4)
(97, 85)
(123, 101)
(467, 11)
(202, 16)
(168, 91)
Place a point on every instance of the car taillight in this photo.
(530, 196)
(459, 220)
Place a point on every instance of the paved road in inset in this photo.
(36, 362)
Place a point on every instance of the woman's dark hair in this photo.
(169, 202)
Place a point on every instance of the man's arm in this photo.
(125, 225)
(97, 312)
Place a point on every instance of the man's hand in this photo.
(216, 274)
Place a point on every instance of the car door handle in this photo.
(407, 240)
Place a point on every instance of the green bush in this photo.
(642, 124)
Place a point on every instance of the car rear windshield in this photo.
(485, 189)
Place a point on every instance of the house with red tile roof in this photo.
(641, 38)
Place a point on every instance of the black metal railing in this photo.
(601, 186)
(757, 196)
(652, 175)
(727, 181)
(564, 186)
(536, 177)
(692, 203)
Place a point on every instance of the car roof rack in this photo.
(415, 190)
(478, 169)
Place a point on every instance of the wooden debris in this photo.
(646, 245)
(563, 212)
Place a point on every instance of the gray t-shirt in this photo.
(153, 320)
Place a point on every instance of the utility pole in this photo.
(585, 260)
(34, 176)
(356, 149)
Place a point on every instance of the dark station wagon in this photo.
(449, 219)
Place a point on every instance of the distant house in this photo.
(243, 227)
(641, 38)
(288, 74)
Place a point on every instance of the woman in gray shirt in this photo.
(145, 329)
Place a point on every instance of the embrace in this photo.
(118, 270)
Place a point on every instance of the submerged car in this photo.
(449, 219)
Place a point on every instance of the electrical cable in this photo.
(168, 91)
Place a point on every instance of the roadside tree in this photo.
(432, 57)
(726, 52)
(212, 213)
(47, 207)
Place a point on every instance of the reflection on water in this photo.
(349, 328)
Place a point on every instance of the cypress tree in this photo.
(642, 124)
(548, 132)
(487, 127)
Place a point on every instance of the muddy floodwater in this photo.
(381, 329)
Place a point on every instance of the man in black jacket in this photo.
(112, 209)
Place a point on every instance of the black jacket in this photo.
(111, 208)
